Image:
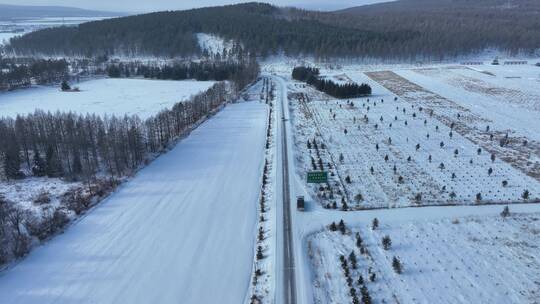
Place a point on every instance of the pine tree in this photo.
(12, 157)
(352, 258)
(342, 227)
(396, 264)
(386, 242)
(39, 167)
(358, 240)
(53, 164)
(375, 224)
(65, 86)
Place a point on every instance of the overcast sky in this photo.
(155, 5)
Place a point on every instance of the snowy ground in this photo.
(465, 253)
(183, 230)
(383, 152)
(213, 44)
(104, 96)
(460, 260)
(26, 192)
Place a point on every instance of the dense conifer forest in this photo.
(347, 90)
(15, 73)
(406, 29)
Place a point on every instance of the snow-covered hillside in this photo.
(104, 96)
(462, 260)
(213, 44)
(182, 231)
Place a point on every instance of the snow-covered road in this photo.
(182, 231)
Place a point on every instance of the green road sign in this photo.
(317, 177)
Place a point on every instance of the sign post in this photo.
(317, 177)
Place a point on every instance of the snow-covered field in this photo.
(12, 28)
(183, 230)
(463, 260)
(407, 146)
(103, 96)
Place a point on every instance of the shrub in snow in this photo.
(51, 221)
(358, 198)
(386, 242)
(505, 212)
(43, 198)
(260, 254)
(525, 195)
(418, 198)
(255, 300)
(261, 233)
(333, 227)
(478, 197)
(504, 183)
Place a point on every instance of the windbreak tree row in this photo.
(346, 90)
(201, 71)
(79, 147)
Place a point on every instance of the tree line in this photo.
(410, 29)
(16, 73)
(347, 90)
(79, 147)
(201, 71)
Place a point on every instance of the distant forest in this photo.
(347, 90)
(238, 72)
(405, 29)
(15, 73)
